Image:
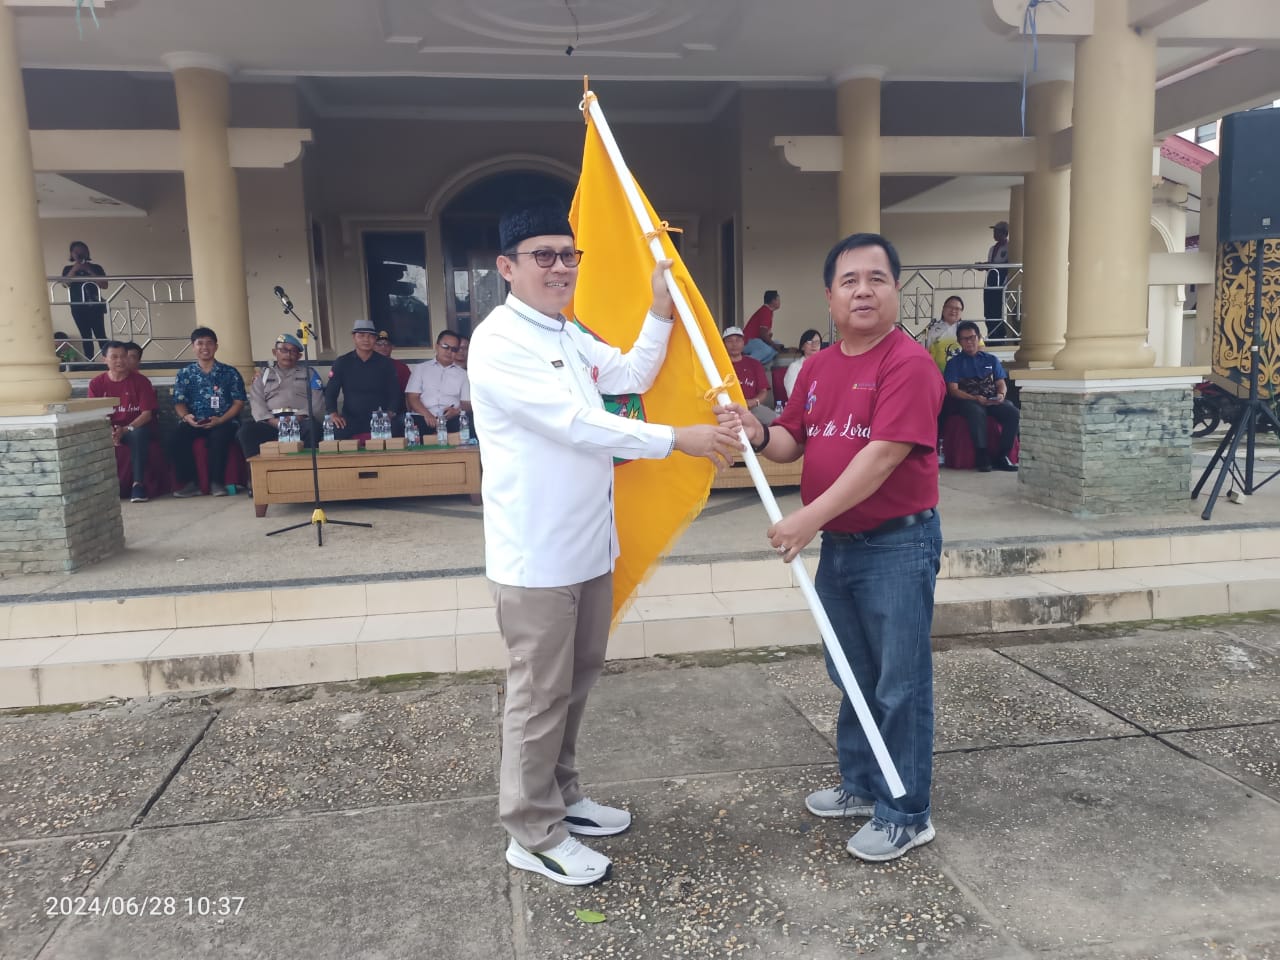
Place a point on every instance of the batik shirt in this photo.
(211, 394)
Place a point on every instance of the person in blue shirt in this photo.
(976, 388)
(208, 397)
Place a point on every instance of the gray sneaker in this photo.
(835, 802)
(881, 840)
(190, 490)
(218, 490)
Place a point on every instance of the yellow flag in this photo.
(654, 499)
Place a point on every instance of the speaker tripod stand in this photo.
(1253, 411)
(318, 518)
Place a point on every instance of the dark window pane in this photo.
(396, 265)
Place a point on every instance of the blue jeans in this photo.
(878, 592)
(761, 351)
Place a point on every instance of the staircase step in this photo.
(152, 646)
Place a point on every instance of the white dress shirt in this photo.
(547, 444)
(440, 387)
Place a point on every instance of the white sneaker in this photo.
(590, 819)
(571, 862)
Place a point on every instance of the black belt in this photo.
(889, 526)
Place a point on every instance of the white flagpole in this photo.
(799, 571)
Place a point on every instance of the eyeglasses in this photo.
(445, 346)
(545, 258)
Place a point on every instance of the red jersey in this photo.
(134, 395)
(752, 376)
(841, 403)
(761, 319)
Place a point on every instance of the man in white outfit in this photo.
(550, 540)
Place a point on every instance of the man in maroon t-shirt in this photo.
(864, 414)
(752, 376)
(134, 416)
(384, 346)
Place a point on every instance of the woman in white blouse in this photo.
(810, 343)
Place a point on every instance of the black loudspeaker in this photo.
(1249, 189)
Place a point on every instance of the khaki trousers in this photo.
(556, 639)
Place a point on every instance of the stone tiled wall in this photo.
(1105, 453)
(59, 498)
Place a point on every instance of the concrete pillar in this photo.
(1012, 306)
(858, 183)
(1114, 107)
(1017, 206)
(28, 369)
(1046, 217)
(213, 204)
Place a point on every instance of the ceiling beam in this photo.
(1149, 14)
(919, 156)
(157, 151)
(1239, 84)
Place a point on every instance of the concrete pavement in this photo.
(1103, 792)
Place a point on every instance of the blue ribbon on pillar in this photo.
(1029, 27)
(93, 13)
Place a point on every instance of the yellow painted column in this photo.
(28, 368)
(1017, 206)
(858, 184)
(213, 204)
(1046, 221)
(1114, 107)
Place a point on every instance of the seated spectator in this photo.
(758, 331)
(940, 336)
(367, 382)
(752, 376)
(461, 359)
(976, 388)
(810, 343)
(208, 397)
(133, 419)
(134, 352)
(385, 347)
(282, 386)
(439, 386)
(63, 349)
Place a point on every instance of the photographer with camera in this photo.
(87, 308)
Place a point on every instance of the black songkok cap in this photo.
(543, 218)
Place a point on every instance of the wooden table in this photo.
(778, 475)
(418, 472)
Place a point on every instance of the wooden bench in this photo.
(778, 475)
(419, 472)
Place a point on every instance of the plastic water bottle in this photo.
(295, 428)
(777, 407)
(442, 430)
(329, 432)
(942, 457)
(464, 428)
(411, 435)
(282, 427)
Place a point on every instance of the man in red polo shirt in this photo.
(866, 423)
(134, 416)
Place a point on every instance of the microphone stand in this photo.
(318, 518)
